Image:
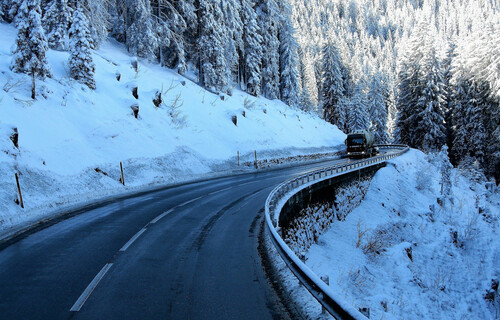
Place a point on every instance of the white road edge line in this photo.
(137, 235)
(88, 291)
(155, 220)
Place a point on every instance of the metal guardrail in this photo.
(330, 300)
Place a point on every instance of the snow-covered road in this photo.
(188, 252)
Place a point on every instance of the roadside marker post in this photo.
(19, 190)
(121, 169)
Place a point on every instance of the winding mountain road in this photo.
(185, 252)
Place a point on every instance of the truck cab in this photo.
(360, 144)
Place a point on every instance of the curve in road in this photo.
(187, 252)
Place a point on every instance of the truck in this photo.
(360, 143)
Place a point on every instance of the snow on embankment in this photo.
(70, 131)
(402, 260)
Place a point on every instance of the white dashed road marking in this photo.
(88, 291)
(129, 243)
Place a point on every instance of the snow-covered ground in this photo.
(72, 139)
(402, 259)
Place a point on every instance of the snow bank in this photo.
(72, 139)
(413, 261)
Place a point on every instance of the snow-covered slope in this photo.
(69, 131)
(415, 262)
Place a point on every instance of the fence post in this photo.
(255, 162)
(121, 169)
(19, 190)
(238, 152)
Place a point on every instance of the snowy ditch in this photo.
(395, 247)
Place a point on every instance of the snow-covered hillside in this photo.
(403, 256)
(69, 131)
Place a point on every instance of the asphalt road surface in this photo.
(187, 252)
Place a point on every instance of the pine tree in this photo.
(309, 92)
(269, 18)
(421, 97)
(461, 102)
(185, 37)
(430, 131)
(56, 22)
(233, 40)
(377, 108)
(213, 65)
(141, 36)
(252, 41)
(305, 102)
(342, 111)
(171, 22)
(9, 9)
(449, 89)
(445, 168)
(357, 117)
(333, 86)
(81, 65)
(289, 77)
(469, 122)
(493, 158)
(409, 93)
(29, 56)
(98, 16)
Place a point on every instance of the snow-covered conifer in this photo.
(171, 22)
(141, 36)
(29, 56)
(493, 158)
(269, 19)
(470, 138)
(333, 86)
(445, 168)
(213, 65)
(97, 12)
(186, 37)
(233, 37)
(81, 65)
(289, 78)
(430, 131)
(9, 9)
(252, 41)
(377, 108)
(56, 22)
(357, 116)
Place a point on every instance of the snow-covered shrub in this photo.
(315, 220)
(424, 177)
(349, 197)
(248, 103)
(374, 244)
